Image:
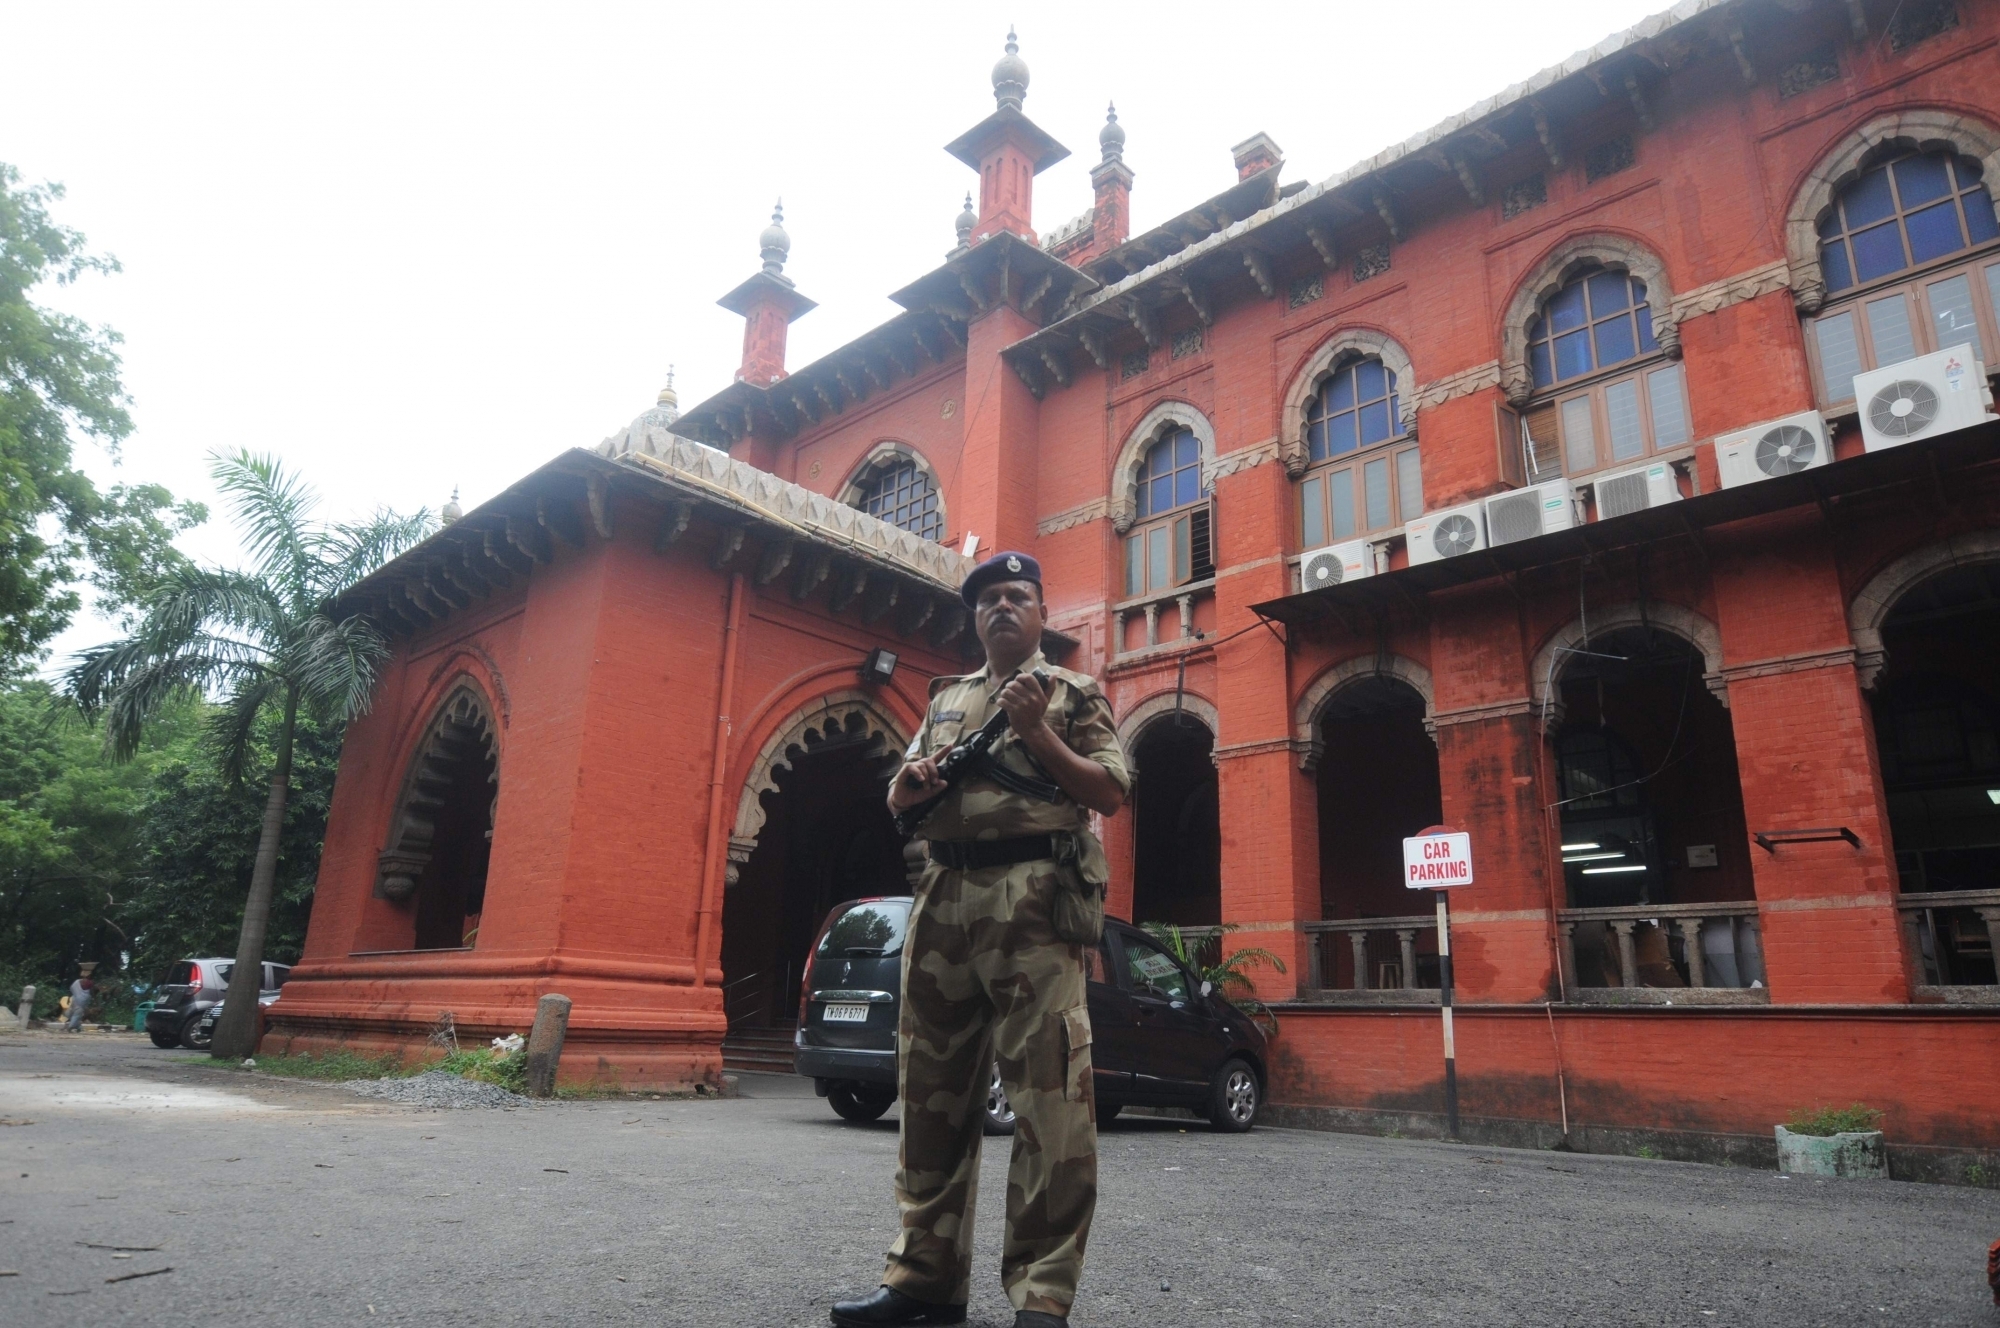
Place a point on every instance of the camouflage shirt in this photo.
(979, 808)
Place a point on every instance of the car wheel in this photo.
(859, 1104)
(999, 1112)
(1234, 1098)
(163, 1039)
(194, 1036)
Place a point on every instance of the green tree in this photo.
(58, 374)
(265, 641)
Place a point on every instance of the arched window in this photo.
(1359, 480)
(1169, 545)
(1908, 252)
(902, 493)
(1605, 394)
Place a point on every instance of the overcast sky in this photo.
(410, 247)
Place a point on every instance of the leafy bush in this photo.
(1858, 1118)
(507, 1069)
(334, 1065)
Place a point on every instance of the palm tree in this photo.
(259, 641)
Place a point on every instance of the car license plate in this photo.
(846, 1014)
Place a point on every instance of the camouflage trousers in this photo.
(986, 981)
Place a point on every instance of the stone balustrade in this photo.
(1381, 974)
(1720, 961)
(1954, 938)
(1169, 618)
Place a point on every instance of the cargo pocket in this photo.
(1076, 1054)
(1077, 910)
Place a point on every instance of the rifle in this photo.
(962, 760)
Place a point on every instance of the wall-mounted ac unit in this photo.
(1922, 398)
(1780, 447)
(1336, 564)
(1635, 490)
(1447, 533)
(1526, 513)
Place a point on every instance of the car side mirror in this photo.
(1207, 987)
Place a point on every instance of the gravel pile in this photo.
(437, 1090)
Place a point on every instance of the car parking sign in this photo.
(1437, 861)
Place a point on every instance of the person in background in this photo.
(79, 1003)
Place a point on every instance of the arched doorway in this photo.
(819, 834)
(1378, 783)
(1650, 807)
(441, 837)
(1176, 824)
(1937, 731)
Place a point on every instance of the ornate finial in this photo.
(452, 511)
(966, 221)
(1010, 76)
(774, 244)
(1112, 137)
(668, 397)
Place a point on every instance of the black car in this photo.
(1160, 1036)
(192, 989)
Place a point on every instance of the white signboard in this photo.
(1437, 862)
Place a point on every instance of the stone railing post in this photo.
(1118, 633)
(1315, 967)
(1359, 940)
(1569, 982)
(1691, 941)
(1406, 937)
(1628, 963)
(1186, 605)
(1153, 624)
(1991, 915)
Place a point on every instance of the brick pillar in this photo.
(995, 493)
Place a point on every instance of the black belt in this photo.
(973, 854)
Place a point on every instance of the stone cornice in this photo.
(1810, 659)
(1463, 383)
(1082, 514)
(1758, 281)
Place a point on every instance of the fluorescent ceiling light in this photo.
(1993, 794)
(1578, 848)
(1592, 857)
(1603, 871)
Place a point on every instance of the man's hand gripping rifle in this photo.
(965, 758)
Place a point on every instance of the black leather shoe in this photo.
(1037, 1319)
(890, 1306)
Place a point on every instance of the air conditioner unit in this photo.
(1446, 534)
(1336, 564)
(1780, 447)
(1526, 513)
(1635, 490)
(1922, 398)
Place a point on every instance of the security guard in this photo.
(993, 970)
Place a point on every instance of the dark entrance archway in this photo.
(1378, 782)
(1937, 732)
(826, 838)
(1177, 827)
(442, 834)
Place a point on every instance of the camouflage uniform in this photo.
(986, 978)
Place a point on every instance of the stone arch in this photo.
(1685, 623)
(1159, 709)
(1923, 129)
(844, 714)
(1166, 415)
(1620, 253)
(1871, 606)
(459, 730)
(1312, 703)
(887, 451)
(1348, 344)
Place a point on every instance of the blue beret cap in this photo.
(1004, 566)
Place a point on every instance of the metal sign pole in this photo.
(1444, 1009)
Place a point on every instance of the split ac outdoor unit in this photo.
(1635, 490)
(1336, 564)
(1446, 534)
(1526, 513)
(1781, 447)
(1922, 398)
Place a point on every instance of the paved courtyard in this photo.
(276, 1202)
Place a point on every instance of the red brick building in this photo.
(1634, 568)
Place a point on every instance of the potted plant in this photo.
(1834, 1141)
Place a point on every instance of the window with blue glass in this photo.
(1910, 252)
(1596, 322)
(1365, 472)
(1170, 545)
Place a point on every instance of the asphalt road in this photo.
(278, 1203)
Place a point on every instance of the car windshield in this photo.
(1153, 971)
(867, 931)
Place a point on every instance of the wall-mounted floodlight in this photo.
(879, 667)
